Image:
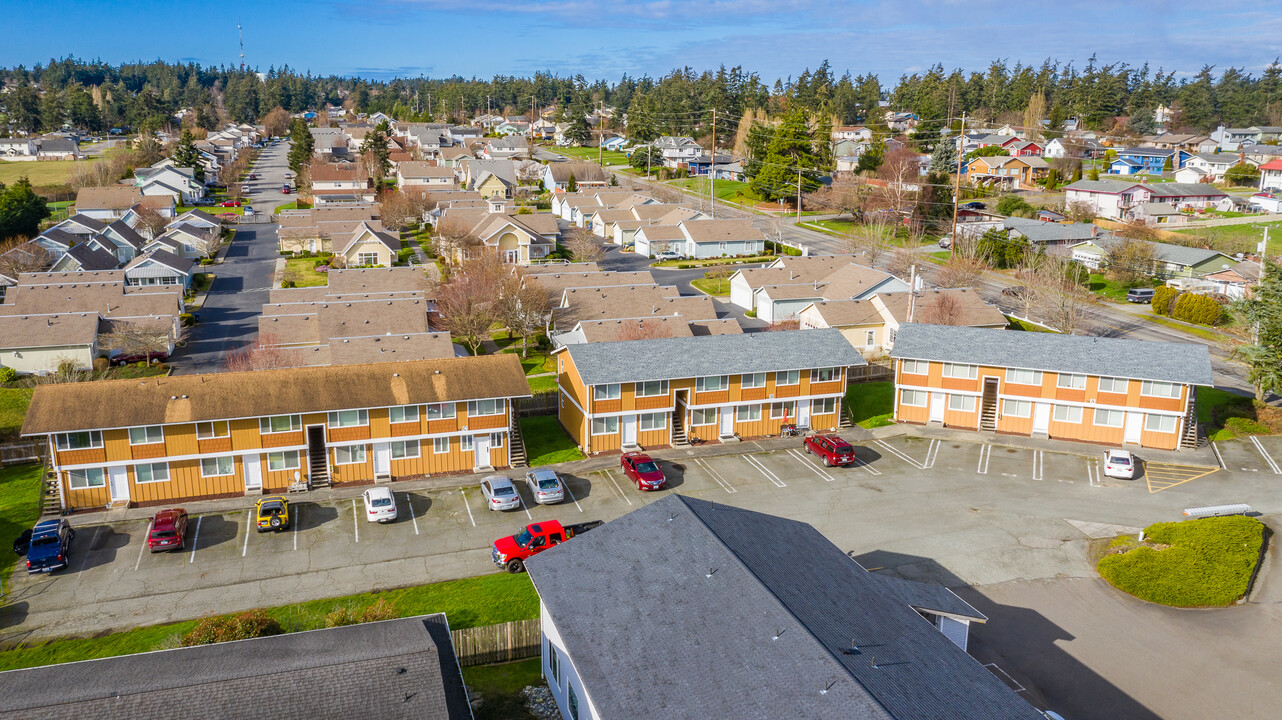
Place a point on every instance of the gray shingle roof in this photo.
(344, 672)
(1111, 357)
(686, 357)
(1038, 231)
(748, 615)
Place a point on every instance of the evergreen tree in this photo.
(52, 111)
(21, 210)
(823, 143)
(572, 185)
(790, 150)
(185, 155)
(944, 158)
(757, 143)
(872, 157)
(579, 131)
(206, 117)
(301, 145)
(375, 147)
(24, 108)
(1263, 312)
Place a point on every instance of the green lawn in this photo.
(13, 409)
(1201, 332)
(608, 157)
(295, 205)
(535, 362)
(1195, 563)
(305, 268)
(201, 282)
(1252, 232)
(546, 442)
(1224, 414)
(471, 602)
(500, 686)
(542, 384)
(939, 258)
(1017, 324)
(727, 190)
(717, 286)
(1105, 287)
(19, 508)
(39, 173)
(871, 404)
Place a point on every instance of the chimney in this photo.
(1094, 231)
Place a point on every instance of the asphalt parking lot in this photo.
(967, 514)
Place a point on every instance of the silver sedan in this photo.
(500, 493)
(546, 486)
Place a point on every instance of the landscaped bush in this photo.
(349, 615)
(8, 374)
(187, 319)
(1163, 299)
(1246, 426)
(100, 364)
(1194, 308)
(1195, 563)
(225, 628)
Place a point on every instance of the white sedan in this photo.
(545, 486)
(380, 506)
(1119, 464)
(500, 493)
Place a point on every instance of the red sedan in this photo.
(831, 448)
(168, 528)
(229, 203)
(643, 471)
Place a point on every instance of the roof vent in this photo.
(173, 397)
(396, 374)
(713, 571)
(438, 372)
(184, 397)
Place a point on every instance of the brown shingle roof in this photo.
(971, 309)
(224, 396)
(41, 331)
(845, 313)
(720, 230)
(326, 172)
(114, 197)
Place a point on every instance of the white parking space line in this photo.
(765, 471)
(245, 549)
(1039, 464)
(521, 504)
(144, 546)
(469, 509)
(1092, 474)
(801, 457)
(298, 520)
(413, 519)
(716, 476)
(566, 485)
(894, 451)
(985, 452)
(356, 521)
(195, 539)
(1267, 457)
(931, 454)
(615, 484)
(1218, 456)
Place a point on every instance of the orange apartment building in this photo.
(1101, 390)
(186, 437)
(659, 392)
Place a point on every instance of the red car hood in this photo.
(656, 476)
(507, 546)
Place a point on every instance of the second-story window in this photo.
(348, 418)
(753, 380)
(653, 388)
(711, 383)
(146, 435)
(211, 430)
(824, 374)
(606, 392)
(959, 370)
(280, 423)
(484, 407)
(83, 440)
(788, 377)
(403, 414)
(444, 411)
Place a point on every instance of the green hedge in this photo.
(1199, 309)
(1163, 299)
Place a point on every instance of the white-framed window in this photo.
(86, 478)
(752, 380)
(703, 416)
(83, 440)
(747, 413)
(349, 418)
(653, 421)
(913, 398)
(146, 435)
(477, 408)
(1113, 385)
(960, 370)
(914, 367)
(554, 665)
(349, 454)
(652, 388)
(440, 445)
(783, 410)
(1109, 418)
(1068, 413)
(405, 449)
(788, 377)
(465, 443)
(1069, 381)
(403, 414)
(605, 425)
(443, 411)
(1161, 423)
(870, 338)
(823, 406)
(284, 460)
(572, 701)
(151, 472)
(961, 403)
(1017, 408)
(711, 383)
(367, 258)
(606, 392)
(496, 440)
(1016, 376)
(217, 466)
(280, 423)
(211, 430)
(824, 374)
(890, 335)
(1154, 388)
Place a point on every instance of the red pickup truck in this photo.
(510, 553)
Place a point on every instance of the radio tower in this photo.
(241, 33)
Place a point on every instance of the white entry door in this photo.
(727, 421)
(118, 477)
(1041, 418)
(937, 403)
(803, 414)
(512, 256)
(1134, 426)
(383, 460)
(481, 446)
(253, 468)
(629, 429)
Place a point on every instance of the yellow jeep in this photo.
(272, 513)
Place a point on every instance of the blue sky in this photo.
(606, 38)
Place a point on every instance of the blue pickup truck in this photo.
(50, 546)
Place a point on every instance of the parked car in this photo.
(511, 552)
(1014, 291)
(141, 357)
(832, 449)
(168, 530)
(285, 189)
(249, 210)
(500, 493)
(50, 546)
(668, 255)
(1139, 295)
(545, 486)
(22, 542)
(976, 205)
(252, 176)
(946, 241)
(643, 471)
(1119, 464)
(229, 203)
(380, 505)
(272, 513)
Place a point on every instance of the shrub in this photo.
(1194, 308)
(381, 609)
(206, 261)
(1163, 299)
(1246, 426)
(187, 319)
(289, 284)
(8, 374)
(225, 628)
(100, 364)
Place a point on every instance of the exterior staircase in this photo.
(1189, 438)
(318, 471)
(679, 437)
(843, 418)
(50, 494)
(516, 444)
(988, 413)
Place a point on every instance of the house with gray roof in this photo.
(754, 616)
(1168, 259)
(1109, 391)
(1049, 234)
(1116, 199)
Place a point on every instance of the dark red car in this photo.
(643, 471)
(229, 203)
(831, 448)
(168, 530)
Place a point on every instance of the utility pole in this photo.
(531, 126)
(798, 196)
(712, 175)
(961, 143)
(600, 133)
(912, 292)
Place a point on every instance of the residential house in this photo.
(314, 230)
(163, 440)
(57, 148)
(39, 343)
(784, 300)
(1152, 160)
(851, 132)
(117, 238)
(676, 150)
(177, 183)
(107, 203)
(586, 331)
(616, 143)
(1110, 391)
(410, 174)
(517, 239)
(200, 220)
(555, 279)
(368, 247)
(1187, 142)
(79, 226)
(702, 238)
(510, 146)
(1169, 260)
(1236, 281)
(1260, 154)
(1234, 139)
(159, 267)
(664, 391)
(586, 175)
(1157, 213)
(784, 270)
(1114, 199)
(870, 325)
(624, 302)
(489, 178)
(1003, 171)
(18, 149)
(821, 630)
(1049, 234)
(85, 257)
(1024, 148)
(1271, 176)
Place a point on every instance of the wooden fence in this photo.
(23, 452)
(540, 404)
(498, 643)
(872, 372)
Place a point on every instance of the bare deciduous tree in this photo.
(666, 194)
(942, 308)
(454, 239)
(961, 271)
(900, 171)
(466, 302)
(1130, 259)
(872, 239)
(265, 353)
(277, 122)
(644, 329)
(585, 246)
(143, 338)
(523, 306)
(1079, 211)
(19, 255)
(151, 222)
(901, 262)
